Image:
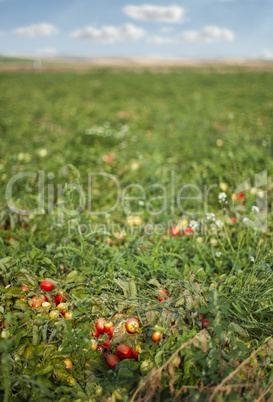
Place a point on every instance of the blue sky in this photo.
(95, 28)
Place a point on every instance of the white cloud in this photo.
(47, 51)
(154, 13)
(109, 34)
(160, 40)
(207, 34)
(266, 54)
(166, 29)
(42, 29)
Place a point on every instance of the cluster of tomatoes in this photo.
(42, 301)
(123, 351)
(132, 326)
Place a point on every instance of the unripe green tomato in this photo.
(99, 390)
(146, 367)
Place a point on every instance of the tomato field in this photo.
(136, 236)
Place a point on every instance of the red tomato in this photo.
(233, 220)
(111, 332)
(132, 325)
(205, 324)
(43, 297)
(175, 231)
(36, 302)
(240, 196)
(60, 298)
(124, 352)
(157, 335)
(96, 333)
(112, 360)
(188, 231)
(100, 348)
(108, 326)
(106, 344)
(162, 294)
(47, 285)
(25, 288)
(100, 325)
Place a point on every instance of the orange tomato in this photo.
(68, 364)
(157, 336)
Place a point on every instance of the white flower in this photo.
(43, 152)
(218, 253)
(141, 203)
(210, 216)
(222, 197)
(193, 225)
(252, 259)
(21, 156)
(219, 223)
(255, 209)
(245, 219)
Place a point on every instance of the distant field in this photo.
(131, 64)
(195, 150)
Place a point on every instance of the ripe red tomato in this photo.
(100, 325)
(124, 352)
(47, 285)
(162, 294)
(106, 344)
(188, 231)
(157, 335)
(112, 360)
(111, 332)
(108, 326)
(96, 333)
(132, 325)
(60, 298)
(240, 196)
(25, 288)
(233, 220)
(175, 231)
(205, 323)
(36, 302)
(43, 297)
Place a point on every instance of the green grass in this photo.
(202, 129)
